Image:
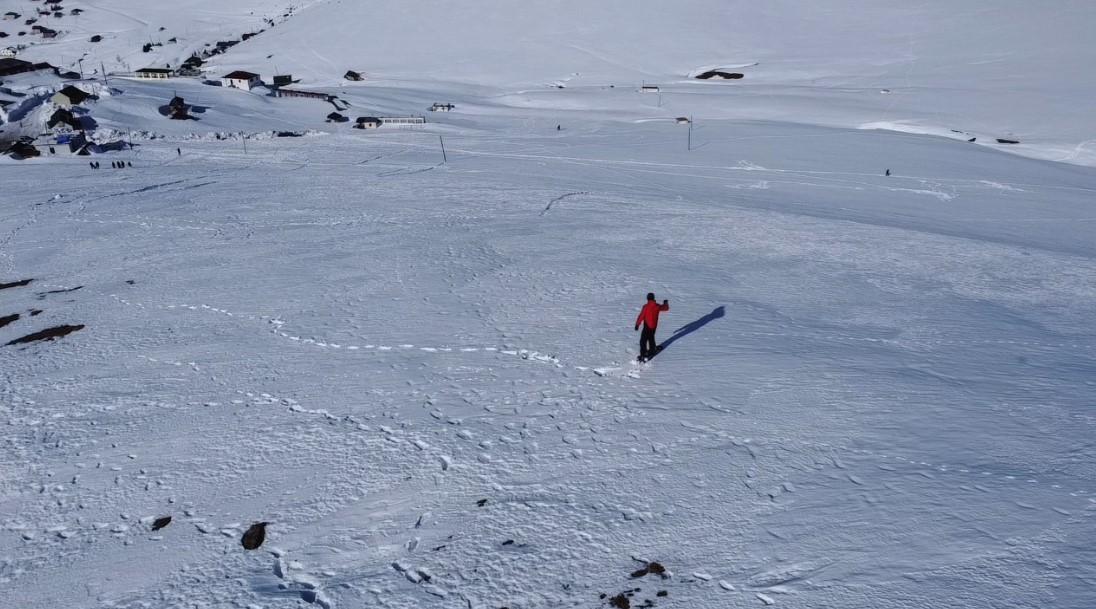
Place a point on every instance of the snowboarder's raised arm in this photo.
(665, 306)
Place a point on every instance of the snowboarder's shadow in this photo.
(691, 327)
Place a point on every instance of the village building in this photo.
(63, 117)
(79, 145)
(335, 117)
(402, 121)
(283, 80)
(352, 75)
(154, 73)
(23, 150)
(367, 122)
(283, 92)
(440, 107)
(10, 66)
(11, 16)
(69, 96)
(650, 89)
(241, 79)
(8, 52)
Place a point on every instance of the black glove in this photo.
(637, 327)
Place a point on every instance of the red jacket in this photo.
(649, 314)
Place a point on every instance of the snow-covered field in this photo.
(876, 390)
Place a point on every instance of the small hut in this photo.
(69, 96)
(354, 76)
(63, 117)
(241, 79)
(335, 117)
(178, 109)
(154, 73)
(367, 122)
(23, 150)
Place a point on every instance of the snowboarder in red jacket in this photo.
(648, 316)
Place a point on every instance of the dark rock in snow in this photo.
(42, 295)
(254, 536)
(15, 284)
(620, 601)
(47, 334)
(161, 522)
(652, 568)
(719, 75)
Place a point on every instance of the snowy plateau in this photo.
(409, 348)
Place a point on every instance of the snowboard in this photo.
(650, 356)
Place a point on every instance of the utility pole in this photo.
(690, 133)
(443, 157)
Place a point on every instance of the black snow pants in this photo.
(647, 346)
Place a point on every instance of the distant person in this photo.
(178, 152)
(52, 151)
(559, 127)
(648, 316)
(129, 163)
(90, 164)
(887, 173)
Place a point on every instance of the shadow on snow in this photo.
(691, 327)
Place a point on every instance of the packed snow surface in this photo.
(418, 369)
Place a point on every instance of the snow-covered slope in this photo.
(1012, 71)
(875, 392)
